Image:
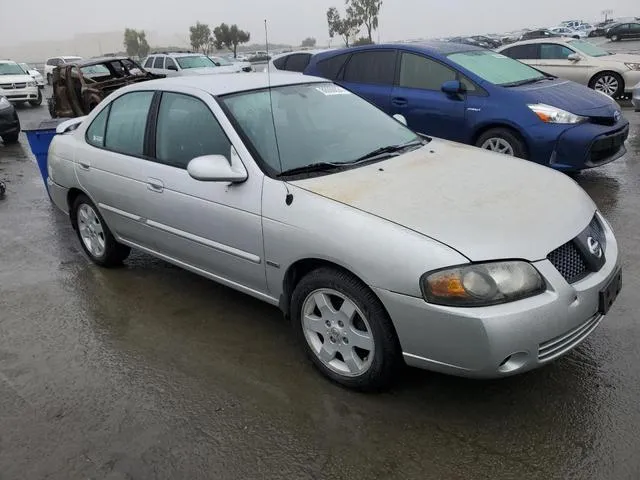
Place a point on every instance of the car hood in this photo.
(569, 96)
(484, 205)
(16, 78)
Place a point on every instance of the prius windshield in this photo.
(318, 126)
(588, 48)
(497, 68)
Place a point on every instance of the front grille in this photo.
(603, 120)
(607, 146)
(12, 86)
(569, 262)
(557, 346)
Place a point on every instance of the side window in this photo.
(169, 62)
(149, 62)
(553, 51)
(522, 52)
(331, 67)
(279, 62)
(298, 62)
(635, 27)
(127, 123)
(95, 132)
(50, 61)
(374, 67)
(187, 129)
(417, 71)
(158, 62)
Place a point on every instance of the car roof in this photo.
(99, 60)
(227, 83)
(433, 48)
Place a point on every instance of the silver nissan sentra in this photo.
(380, 245)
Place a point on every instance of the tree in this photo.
(135, 42)
(200, 37)
(346, 27)
(230, 37)
(309, 42)
(365, 12)
(361, 41)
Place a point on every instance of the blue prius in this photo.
(480, 97)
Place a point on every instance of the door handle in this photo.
(84, 164)
(155, 185)
(399, 101)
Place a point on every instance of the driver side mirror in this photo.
(172, 67)
(216, 168)
(453, 87)
(574, 57)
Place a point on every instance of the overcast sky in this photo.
(289, 20)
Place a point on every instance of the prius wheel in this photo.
(502, 140)
(345, 330)
(609, 83)
(95, 237)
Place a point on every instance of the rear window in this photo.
(297, 62)
(523, 52)
(279, 62)
(331, 67)
(149, 63)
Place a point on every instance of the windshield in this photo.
(588, 48)
(11, 69)
(221, 62)
(195, 61)
(315, 123)
(495, 67)
(25, 67)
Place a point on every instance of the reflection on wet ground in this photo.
(148, 371)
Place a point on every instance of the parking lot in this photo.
(149, 371)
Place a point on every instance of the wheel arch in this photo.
(482, 129)
(72, 194)
(611, 72)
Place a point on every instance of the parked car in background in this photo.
(541, 33)
(37, 76)
(564, 32)
(475, 263)
(581, 62)
(230, 66)
(635, 97)
(572, 23)
(483, 98)
(17, 85)
(176, 64)
(491, 42)
(78, 88)
(624, 31)
(9, 121)
(583, 31)
(54, 62)
(294, 61)
(601, 28)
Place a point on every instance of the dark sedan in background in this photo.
(9, 122)
(624, 31)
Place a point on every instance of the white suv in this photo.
(180, 64)
(18, 86)
(53, 62)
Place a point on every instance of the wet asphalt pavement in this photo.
(149, 371)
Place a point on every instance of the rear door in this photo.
(554, 60)
(634, 30)
(370, 74)
(528, 53)
(419, 98)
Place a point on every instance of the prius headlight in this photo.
(549, 114)
(482, 284)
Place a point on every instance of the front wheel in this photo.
(345, 330)
(502, 140)
(615, 38)
(37, 102)
(609, 83)
(95, 237)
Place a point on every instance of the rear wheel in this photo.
(10, 138)
(502, 140)
(345, 330)
(609, 83)
(95, 237)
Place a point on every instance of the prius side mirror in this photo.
(216, 168)
(453, 87)
(574, 57)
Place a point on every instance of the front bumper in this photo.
(21, 94)
(502, 340)
(9, 122)
(631, 79)
(577, 147)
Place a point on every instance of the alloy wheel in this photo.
(607, 84)
(91, 230)
(337, 332)
(498, 145)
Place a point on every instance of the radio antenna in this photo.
(289, 197)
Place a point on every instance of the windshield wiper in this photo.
(313, 167)
(384, 151)
(525, 82)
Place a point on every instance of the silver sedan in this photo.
(380, 245)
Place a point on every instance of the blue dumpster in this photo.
(40, 137)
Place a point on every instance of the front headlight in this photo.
(4, 103)
(633, 66)
(549, 114)
(31, 84)
(482, 284)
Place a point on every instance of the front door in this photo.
(554, 60)
(419, 98)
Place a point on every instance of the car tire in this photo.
(37, 102)
(95, 237)
(503, 140)
(609, 83)
(615, 38)
(10, 138)
(329, 339)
